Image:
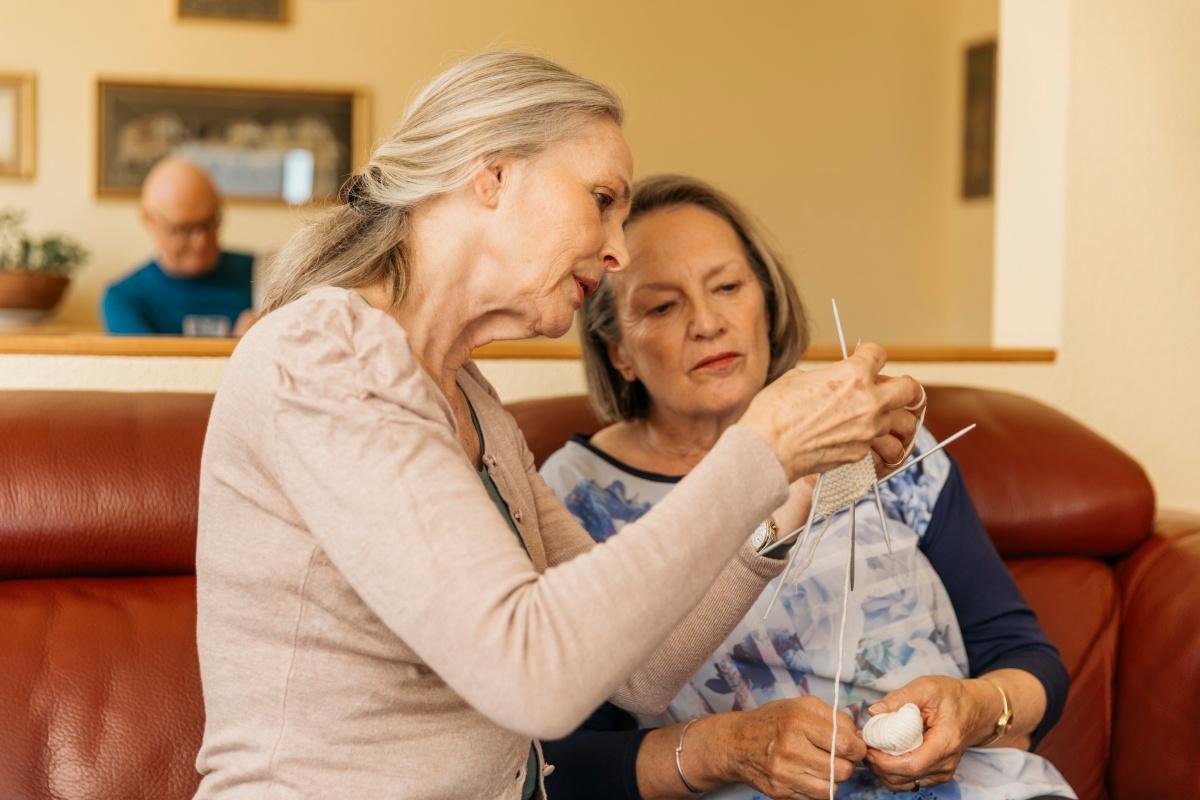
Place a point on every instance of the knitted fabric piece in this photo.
(841, 487)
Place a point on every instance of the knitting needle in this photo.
(887, 536)
(940, 445)
(812, 509)
(837, 321)
(948, 440)
(808, 559)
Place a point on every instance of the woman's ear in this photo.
(616, 357)
(489, 181)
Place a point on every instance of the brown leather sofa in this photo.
(99, 683)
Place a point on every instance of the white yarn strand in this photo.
(837, 675)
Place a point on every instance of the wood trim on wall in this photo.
(97, 344)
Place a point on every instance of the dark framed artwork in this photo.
(246, 10)
(259, 143)
(18, 126)
(979, 120)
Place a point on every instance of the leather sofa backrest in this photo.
(99, 483)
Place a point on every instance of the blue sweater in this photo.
(149, 301)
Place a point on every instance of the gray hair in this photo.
(490, 106)
(612, 397)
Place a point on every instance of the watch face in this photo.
(759, 539)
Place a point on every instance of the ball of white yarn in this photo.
(897, 732)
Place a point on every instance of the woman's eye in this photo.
(729, 288)
(659, 310)
(604, 200)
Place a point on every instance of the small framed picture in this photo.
(259, 143)
(244, 10)
(979, 120)
(17, 126)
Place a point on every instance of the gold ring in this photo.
(908, 448)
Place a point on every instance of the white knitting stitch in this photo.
(844, 485)
(896, 732)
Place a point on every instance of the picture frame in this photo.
(18, 125)
(979, 120)
(273, 11)
(265, 144)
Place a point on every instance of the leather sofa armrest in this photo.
(1156, 731)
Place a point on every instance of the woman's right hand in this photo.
(824, 418)
(782, 748)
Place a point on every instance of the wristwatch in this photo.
(1005, 721)
(764, 535)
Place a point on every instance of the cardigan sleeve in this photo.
(363, 448)
(654, 684)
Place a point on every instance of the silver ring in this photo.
(917, 785)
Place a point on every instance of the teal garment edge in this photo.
(532, 766)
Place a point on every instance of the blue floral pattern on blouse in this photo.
(900, 623)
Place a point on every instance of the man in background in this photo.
(191, 286)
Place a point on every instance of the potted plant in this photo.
(34, 272)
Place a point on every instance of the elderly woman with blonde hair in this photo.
(676, 348)
(391, 602)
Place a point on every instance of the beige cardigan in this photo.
(368, 625)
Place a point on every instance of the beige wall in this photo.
(836, 123)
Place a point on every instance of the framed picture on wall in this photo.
(979, 120)
(17, 126)
(251, 10)
(267, 144)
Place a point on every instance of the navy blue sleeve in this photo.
(998, 627)
(598, 761)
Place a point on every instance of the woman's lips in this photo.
(718, 361)
(584, 287)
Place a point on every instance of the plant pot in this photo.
(27, 297)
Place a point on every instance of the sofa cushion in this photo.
(99, 688)
(1077, 603)
(1156, 741)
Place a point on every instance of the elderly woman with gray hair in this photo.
(391, 602)
(677, 347)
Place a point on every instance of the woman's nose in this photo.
(706, 322)
(614, 254)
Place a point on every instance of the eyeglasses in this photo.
(185, 230)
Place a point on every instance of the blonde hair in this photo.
(489, 106)
(612, 397)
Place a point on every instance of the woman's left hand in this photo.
(957, 713)
(794, 511)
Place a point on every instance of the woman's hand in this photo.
(889, 450)
(958, 714)
(794, 511)
(782, 748)
(828, 417)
